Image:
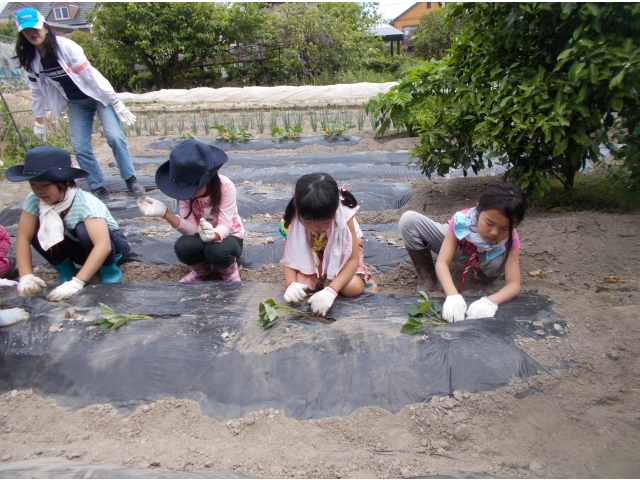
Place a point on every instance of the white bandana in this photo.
(51, 227)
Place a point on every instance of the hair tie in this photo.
(293, 194)
(342, 189)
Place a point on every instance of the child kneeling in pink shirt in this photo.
(212, 232)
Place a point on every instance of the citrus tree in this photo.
(537, 86)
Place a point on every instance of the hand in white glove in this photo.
(40, 131)
(296, 292)
(7, 283)
(206, 232)
(454, 308)
(123, 113)
(30, 285)
(483, 308)
(66, 290)
(150, 207)
(12, 315)
(321, 302)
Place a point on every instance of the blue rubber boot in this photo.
(111, 273)
(66, 271)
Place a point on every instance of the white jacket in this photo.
(72, 59)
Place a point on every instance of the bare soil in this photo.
(583, 422)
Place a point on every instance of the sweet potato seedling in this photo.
(425, 309)
(111, 319)
(268, 311)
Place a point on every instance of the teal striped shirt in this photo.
(84, 206)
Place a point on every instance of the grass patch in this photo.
(594, 191)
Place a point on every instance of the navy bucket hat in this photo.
(191, 165)
(45, 163)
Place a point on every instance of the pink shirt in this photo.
(225, 221)
(468, 247)
(5, 242)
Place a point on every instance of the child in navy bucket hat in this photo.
(212, 231)
(65, 225)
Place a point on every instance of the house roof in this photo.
(395, 19)
(388, 32)
(78, 21)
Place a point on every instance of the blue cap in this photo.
(29, 18)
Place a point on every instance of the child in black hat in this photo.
(208, 214)
(65, 225)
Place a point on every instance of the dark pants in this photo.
(78, 251)
(191, 250)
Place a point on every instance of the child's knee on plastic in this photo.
(354, 288)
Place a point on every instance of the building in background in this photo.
(62, 17)
(409, 20)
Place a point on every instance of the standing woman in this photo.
(60, 75)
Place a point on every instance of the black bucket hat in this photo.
(190, 167)
(45, 163)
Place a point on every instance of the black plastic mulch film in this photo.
(361, 359)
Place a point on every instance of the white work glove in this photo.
(454, 308)
(483, 308)
(321, 302)
(296, 292)
(205, 229)
(150, 207)
(66, 290)
(123, 113)
(7, 283)
(12, 315)
(30, 285)
(40, 131)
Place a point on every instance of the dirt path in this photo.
(581, 421)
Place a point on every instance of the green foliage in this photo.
(425, 312)
(334, 129)
(538, 86)
(279, 134)
(113, 320)
(435, 34)
(328, 39)
(8, 31)
(168, 37)
(12, 149)
(115, 64)
(596, 191)
(268, 313)
(231, 135)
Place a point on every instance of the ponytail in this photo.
(289, 211)
(348, 200)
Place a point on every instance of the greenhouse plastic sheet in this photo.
(164, 143)
(306, 368)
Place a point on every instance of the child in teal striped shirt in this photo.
(65, 225)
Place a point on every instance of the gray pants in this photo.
(420, 232)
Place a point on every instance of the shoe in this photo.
(111, 273)
(134, 186)
(231, 273)
(423, 262)
(100, 192)
(66, 271)
(199, 272)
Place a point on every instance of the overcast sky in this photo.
(390, 9)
